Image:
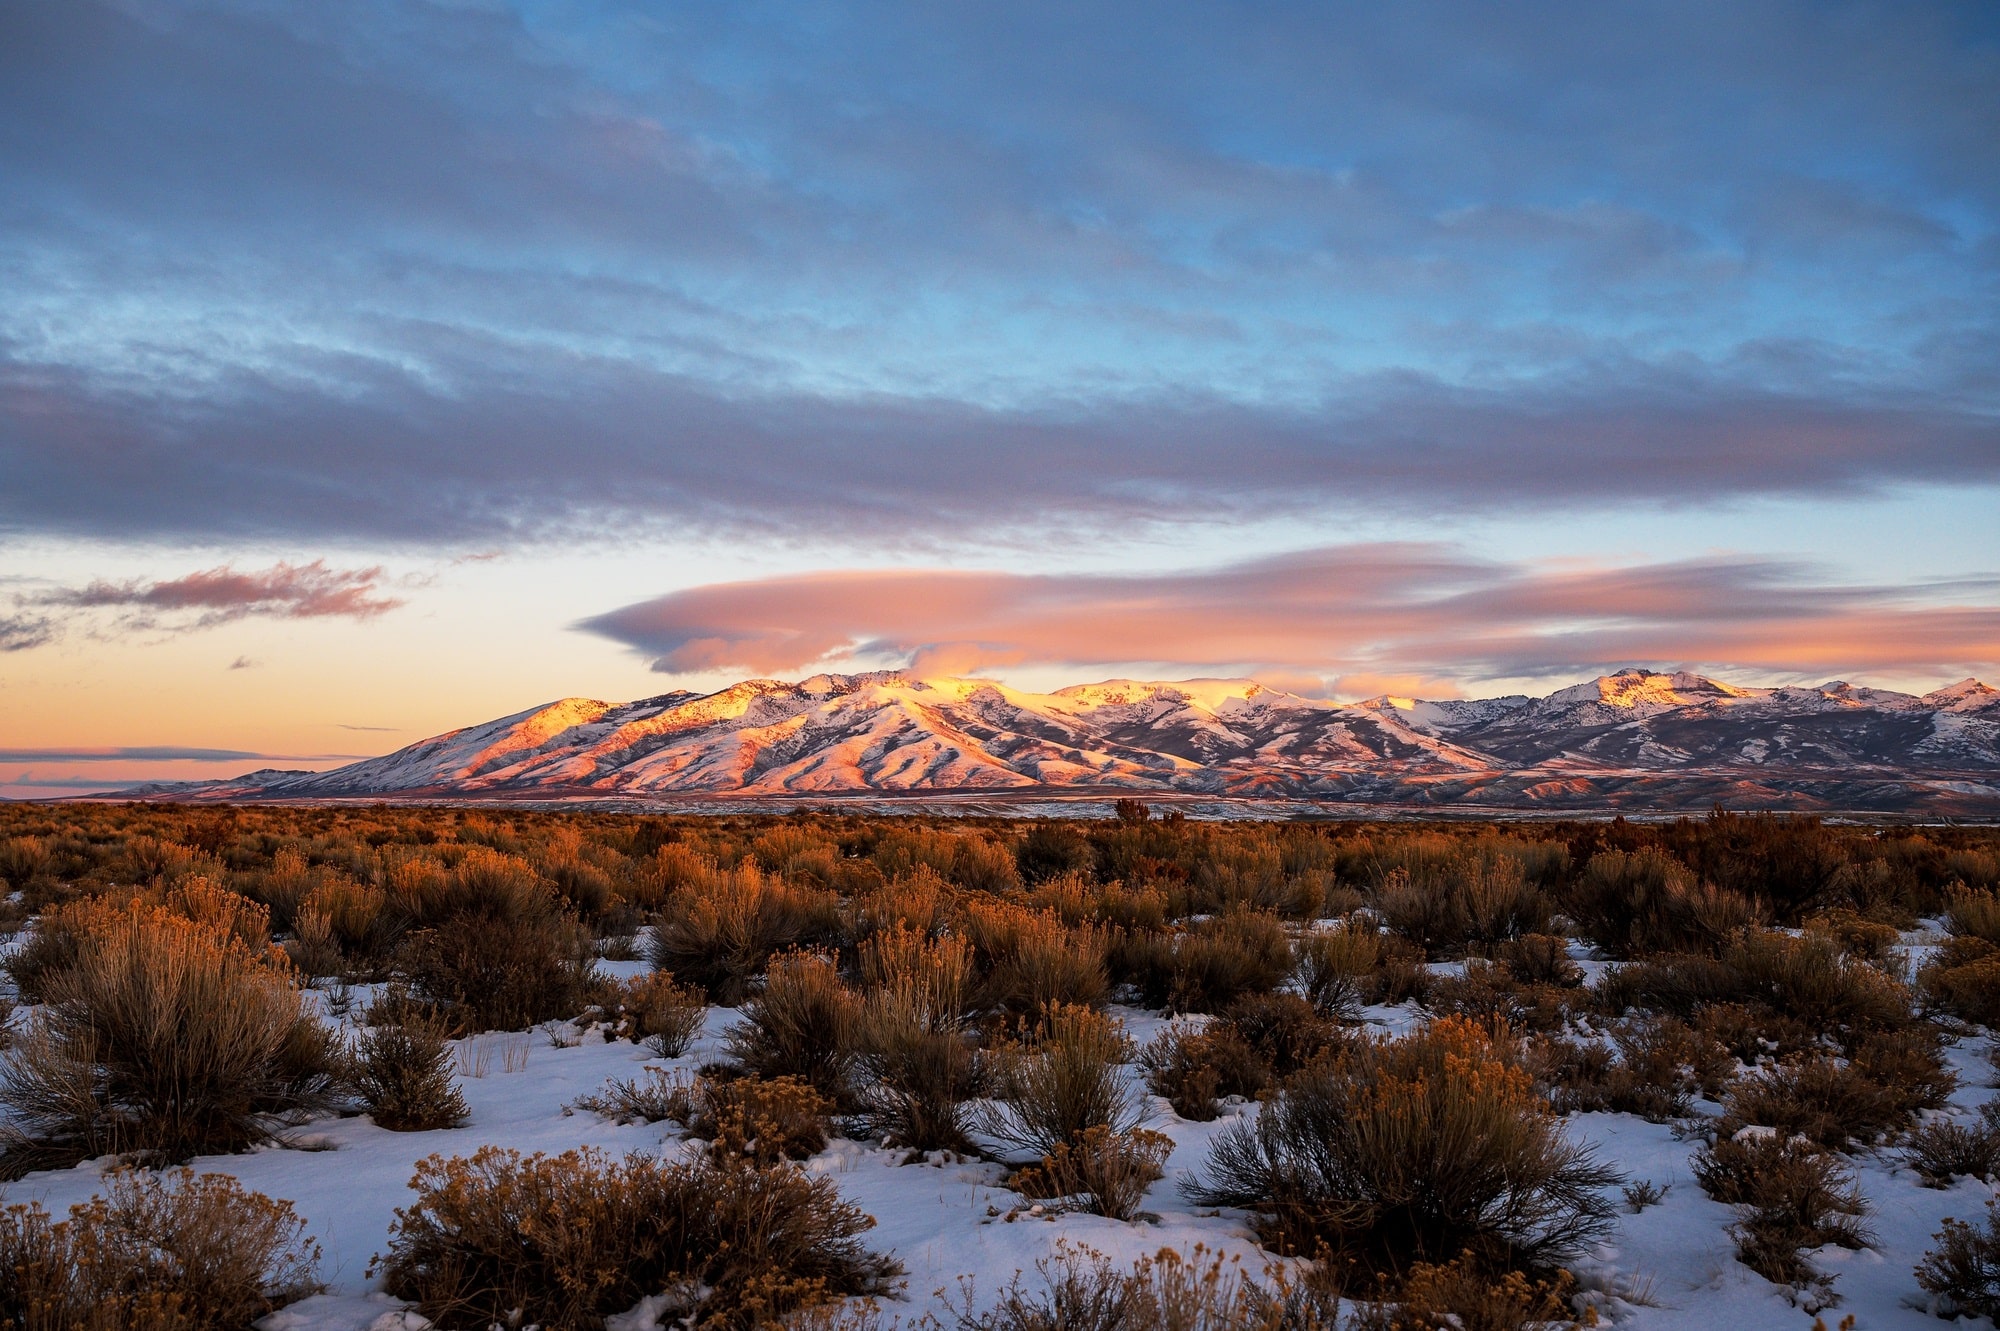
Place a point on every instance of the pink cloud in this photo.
(220, 595)
(1408, 613)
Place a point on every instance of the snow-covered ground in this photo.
(1667, 1268)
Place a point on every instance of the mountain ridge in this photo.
(1630, 740)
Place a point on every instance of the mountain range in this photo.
(1635, 741)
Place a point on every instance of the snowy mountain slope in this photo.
(1615, 741)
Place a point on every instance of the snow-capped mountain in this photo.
(1635, 739)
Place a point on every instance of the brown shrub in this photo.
(1080, 1290)
(493, 947)
(1219, 961)
(1336, 967)
(912, 1039)
(805, 1023)
(1973, 914)
(1463, 1296)
(1282, 1030)
(1487, 994)
(1943, 1151)
(762, 1122)
(167, 1252)
(1539, 959)
(1192, 1067)
(404, 1076)
(1795, 1196)
(721, 928)
(1109, 1170)
(653, 1010)
(1963, 1272)
(1963, 979)
(1395, 1151)
(562, 1241)
(1657, 1067)
(1840, 1105)
(1646, 902)
(166, 1037)
(1031, 960)
(1067, 1079)
(1864, 939)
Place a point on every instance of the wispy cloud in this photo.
(1343, 611)
(201, 600)
(161, 753)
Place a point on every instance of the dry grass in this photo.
(166, 1252)
(560, 1241)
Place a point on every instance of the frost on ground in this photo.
(955, 1229)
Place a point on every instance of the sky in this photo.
(373, 369)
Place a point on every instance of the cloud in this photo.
(1363, 613)
(20, 632)
(204, 600)
(452, 274)
(141, 753)
(243, 663)
(219, 595)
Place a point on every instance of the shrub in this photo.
(805, 1024)
(1645, 902)
(1463, 1296)
(1963, 978)
(1486, 993)
(1659, 1065)
(403, 1073)
(1080, 1290)
(1051, 849)
(1838, 1105)
(168, 1252)
(1963, 1272)
(492, 946)
(1111, 1170)
(762, 1122)
(1974, 914)
(1068, 1080)
(1335, 966)
(661, 1096)
(1192, 1066)
(1795, 1197)
(1392, 1151)
(165, 1037)
(1221, 960)
(652, 1008)
(1032, 960)
(721, 929)
(562, 1241)
(1943, 1151)
(1540, 959)
(1282, 1030)
(912, 1038)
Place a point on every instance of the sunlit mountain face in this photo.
(1630, 740)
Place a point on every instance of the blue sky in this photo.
(646, 298)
